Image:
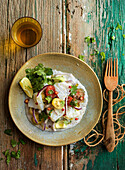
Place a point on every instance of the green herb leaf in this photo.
(118, 26)
(39, 149)
(6, 152)
(62, 102)
(113, 37)
(92, 54)
(13, 143)
(66, 122)
(38, 76)
(103, 56)
(50, 92)
(48, 71)
(123, 35)
(40, 117)
(18, 154)
(13, 154)
(89, 40)
(73, 90)
(96, 51)
(49, 99)
(43, 116)
(81, 57)
(22, 141)
(50, 112)
(8, 132)
(8, 159)
(74, 103)
(56, 120)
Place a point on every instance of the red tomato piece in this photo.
(69, 100)
(79, 94)
(52, 89)
(56, 92)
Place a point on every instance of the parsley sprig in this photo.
(73, 90)
(38, 76)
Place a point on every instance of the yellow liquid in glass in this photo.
(26, 32)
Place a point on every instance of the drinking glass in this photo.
(26, 32)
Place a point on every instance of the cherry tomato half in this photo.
(79, 94)
(69, 100)
(50, 91)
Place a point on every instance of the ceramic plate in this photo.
(86, 76)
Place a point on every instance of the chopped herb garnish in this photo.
(58, 79)
(62, 103)
(13, 143)
(8, 132)
(56, 120)
(118, 26)
(113, 37)
(18, 154)
(22, 141)
(13, 154)
(7, 155)
(73, 90)
(74, 103)
(49, 99)
(81, 57)
(123, 35)
(6, 152)
(50, 92)
(50, 112)
(44, 115)
(39, 149)
(8, 159)
(89, 40)
(30, 87)
(103, 56)
(92, 54)
(96, 51)
(40, 117)
(38, 76)
(66, 122)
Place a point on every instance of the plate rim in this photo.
(57, 144)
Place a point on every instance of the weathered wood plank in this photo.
(95, 19)
(49, 14)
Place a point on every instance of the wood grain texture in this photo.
(65, 24)
(98, 19)
(49, 14)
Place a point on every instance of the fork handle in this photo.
(110, 135)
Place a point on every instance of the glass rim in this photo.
(34, 20)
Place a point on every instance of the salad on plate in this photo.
(55, 100)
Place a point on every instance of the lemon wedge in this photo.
(26, 86)
(60, 125)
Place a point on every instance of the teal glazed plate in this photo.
(65, 63)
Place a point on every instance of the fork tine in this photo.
(117, 67)
(106, 68)
(111, 65)
(109, 68)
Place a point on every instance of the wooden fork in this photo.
(111, 81)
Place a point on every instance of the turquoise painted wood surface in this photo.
(105, 21)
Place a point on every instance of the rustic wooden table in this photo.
(65, 25)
